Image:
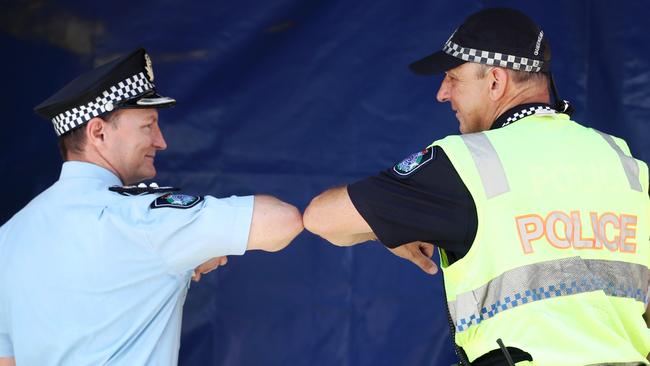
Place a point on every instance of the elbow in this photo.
(290, 224)
(316, 222)
(311, 220)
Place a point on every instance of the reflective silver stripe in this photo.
(487, 163)
(549, 279)
(629, 164)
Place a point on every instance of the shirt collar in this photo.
(520, 111)
(80, 169)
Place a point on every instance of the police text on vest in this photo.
(616, 232)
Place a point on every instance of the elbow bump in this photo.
(311, 222)
(318, 227)
(294, 221)
(291, 225)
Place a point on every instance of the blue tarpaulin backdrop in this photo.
(290, 97)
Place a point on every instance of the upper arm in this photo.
(332, 216)
(186, 237)
(418, 200)
(274, 224)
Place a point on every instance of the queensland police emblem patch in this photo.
(176, 201)
(413, 162)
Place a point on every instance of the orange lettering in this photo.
(578, 241)
(551, 224)
(598, 243)
(531, 227)
(564, 231)
(609, 218)
(628, 231)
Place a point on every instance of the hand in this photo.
(419, 253)
(208, 266)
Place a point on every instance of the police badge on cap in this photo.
(126, 82)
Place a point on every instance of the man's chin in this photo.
(461, 126)
(148, 173)
(151, 173)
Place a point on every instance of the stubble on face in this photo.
(137, 138)
(465, 90)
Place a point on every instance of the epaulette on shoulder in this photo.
(142, 189)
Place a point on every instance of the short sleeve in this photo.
(187, 236)
(6, 346)
(420, 198)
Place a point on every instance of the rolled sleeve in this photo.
(185, 238)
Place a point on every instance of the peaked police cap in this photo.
(126, 82)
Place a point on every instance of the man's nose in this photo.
(158, 140)
(443, 92)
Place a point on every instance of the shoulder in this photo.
(165, 196)
(415, 161)
(135, 203)
(423, 164)
(425, 172)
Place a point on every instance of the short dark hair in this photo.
(517, 76)
(75, 140)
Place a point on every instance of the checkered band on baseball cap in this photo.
(108, 100)
(492, 58)
(494, 36)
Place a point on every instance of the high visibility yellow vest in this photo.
(559, 265)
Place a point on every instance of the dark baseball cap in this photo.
(495, 36)
(126, 82)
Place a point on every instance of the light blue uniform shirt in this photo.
(92, 277)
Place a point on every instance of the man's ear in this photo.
(95, 131)
(499, 80)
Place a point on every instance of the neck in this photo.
(522, 94)
(93, 157)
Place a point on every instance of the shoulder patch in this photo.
(412, 163)
(176, 200)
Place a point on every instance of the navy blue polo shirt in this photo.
(430, 203)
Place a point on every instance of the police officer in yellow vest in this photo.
(542, 223)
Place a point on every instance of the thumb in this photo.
(427, 249)
(425, 263)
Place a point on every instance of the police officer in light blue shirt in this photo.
(95, 270)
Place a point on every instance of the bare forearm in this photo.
(332, 216)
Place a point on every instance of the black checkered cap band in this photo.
(125, 89)
(492, 58)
